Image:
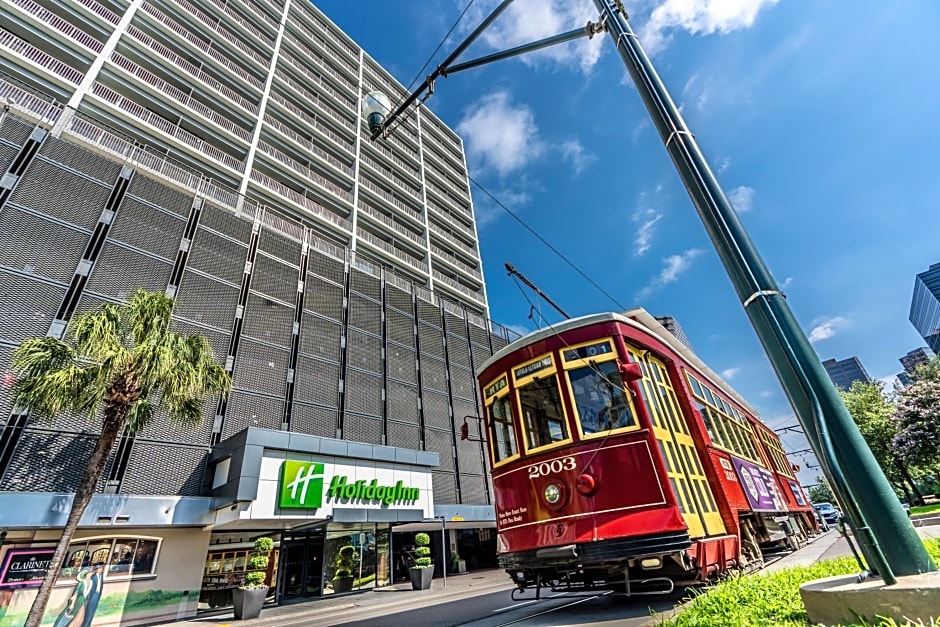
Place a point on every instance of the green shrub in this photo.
(345, 560)
(258, 562)
(423, 551)
(254, 579)
(348, 552)
(264, 545)
(342, 572)
(423, 562)
(422, 539)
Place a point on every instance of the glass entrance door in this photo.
(302, 565)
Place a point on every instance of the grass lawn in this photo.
(762, 600)
(925, 509)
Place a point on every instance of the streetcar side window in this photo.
(543, 419)
(503, 432)
(599, 398)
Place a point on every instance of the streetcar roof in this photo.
(638, 318)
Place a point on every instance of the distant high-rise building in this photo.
(844, 372)
(672, 325)
(925, 306)
(915, 358)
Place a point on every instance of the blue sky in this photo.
(819, 119)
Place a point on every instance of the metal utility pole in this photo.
(511, 270)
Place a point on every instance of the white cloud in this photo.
(644, 234)
(742, 198)
(724, 164)
(526, 21)
(499, 135)
(573, 152)
(673, 266)
(890, 382)
(699, 17)
(487, 211)
(825, 327)
(787, 282)
(729, 373)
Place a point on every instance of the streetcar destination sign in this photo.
(495, 387)
(541, 364)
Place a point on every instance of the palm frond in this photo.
(186, 373)
(51, 379)
(98, 336)
(148, 316)
(140, 415)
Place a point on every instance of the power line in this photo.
(547, 244)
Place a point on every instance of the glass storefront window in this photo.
(351, 559)
(119, 557)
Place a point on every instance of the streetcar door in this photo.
(683, 465)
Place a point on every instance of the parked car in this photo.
(830, 514)
(823, 525)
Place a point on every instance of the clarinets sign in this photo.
(24, 568)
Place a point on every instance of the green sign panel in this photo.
(302, 487)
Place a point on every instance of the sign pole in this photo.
(444, 548)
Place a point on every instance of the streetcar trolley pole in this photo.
(888, 541)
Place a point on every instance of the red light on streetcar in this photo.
(586, 484)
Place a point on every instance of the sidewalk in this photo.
(813, 552)
(400, 595)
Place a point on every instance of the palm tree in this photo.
(120, 360)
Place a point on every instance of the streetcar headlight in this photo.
(552, 493)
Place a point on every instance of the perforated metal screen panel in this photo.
(399, 299)
(218, 256)
(261, 368)
(323, 297)
(225, 222)
(400, 327)
(404, 435)
(365, 314)
(364, 351)
(365, 284)
(430, 340)
(473, 489)
(148, 228)
(24, 244)
(320, 337)
(274, 278)
(84, 161)
(436, 410)
(327, 267)
(162, 428)
(15, 131)
(162, 469)
(51, 190)
(44, 461)
(433, 374)
(363, 393)
(268, 321)
(462, 383)
(403, 403)
(207, 301)
(279, 246)
(313, 419)
(401, 363)
(366, 429)
(247, 409)
(316, 381)
(6, 391)
(170, 199)
(445, 487)
(120, 271)
(26, 307)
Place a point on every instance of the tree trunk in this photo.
(918, 497)
(114, 418)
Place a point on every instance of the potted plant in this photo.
(248, 599)
(423, 569)
(343, 577)
(457, 565)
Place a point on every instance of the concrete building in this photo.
(910, 362)
(844, 372)
(672, 325)
(925, 306)
(215, 151)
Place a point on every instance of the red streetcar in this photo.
(621, 461)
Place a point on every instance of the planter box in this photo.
(343, 584)
(248, 603)
(421, 577)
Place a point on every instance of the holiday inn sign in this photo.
(302, 486)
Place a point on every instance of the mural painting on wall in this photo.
(82, 604)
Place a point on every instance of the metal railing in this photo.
(322, 45)
(474, 272)
(321, 67)
(306, 172)
(180, 96)
(190, 69)
(401, 229)
(96, 8)
(392, 250)
(449, 282)
(200, 44)
(40, 58)
(224, 8)
(310, 206)
(408, 211)
(309, 146)
(128, 106)
(392, 177)
(51, 19)
(450, 239)
(321, 104)
(213, 25)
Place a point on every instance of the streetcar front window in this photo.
(543, 417)
(504, 436)
(600, 399)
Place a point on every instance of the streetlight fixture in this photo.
(375, 108)
(888, 540)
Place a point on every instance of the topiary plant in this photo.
(258, 564)
(423, 551)
(345, 560)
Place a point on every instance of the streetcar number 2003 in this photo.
(552, 467)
